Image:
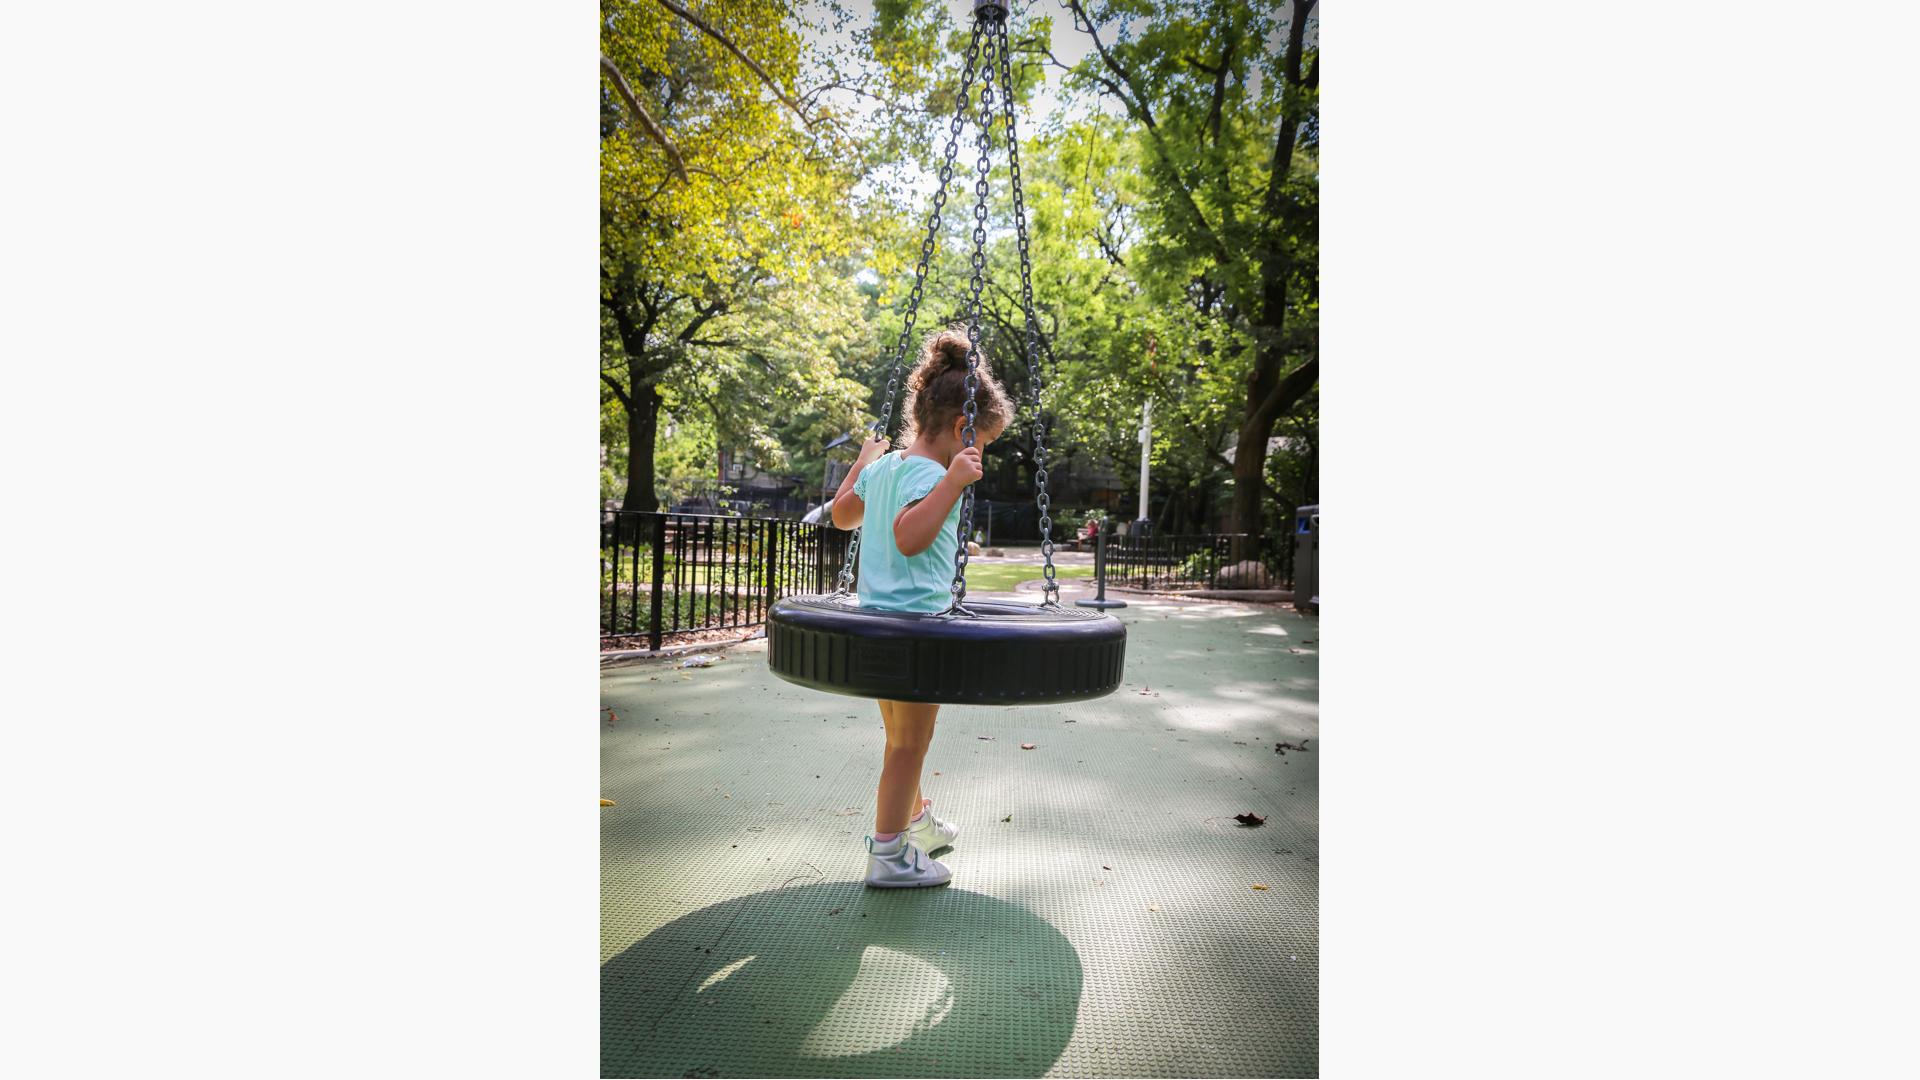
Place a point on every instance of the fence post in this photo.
(1100, 574)
(610, 531)
(774, 530)
(659, 571)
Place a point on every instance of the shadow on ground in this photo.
(835, 979)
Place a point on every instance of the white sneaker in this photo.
(930, 834)
(897, 864)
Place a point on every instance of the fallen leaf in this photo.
(1262, 888)
(606, 802)
(1106, 868)
(1009, 817)
(936, 772)
(1250, 819)
(1153, 907)
(838, 910)
(1026, 746)
(984, 738)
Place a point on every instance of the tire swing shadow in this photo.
(834, 979)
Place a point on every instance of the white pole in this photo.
(1146, 451)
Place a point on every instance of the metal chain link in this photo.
(995, 21)
(885, 424)
(1050, 589)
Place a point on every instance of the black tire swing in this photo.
(982, 652)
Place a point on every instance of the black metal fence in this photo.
(1202, 561)
(663, 573)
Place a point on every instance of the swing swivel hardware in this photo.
(982, 7)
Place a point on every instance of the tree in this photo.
(766, 174)
(1228, 131)
(724, 203)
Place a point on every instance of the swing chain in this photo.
(995, 20)
(1050, 589)
(844, 583)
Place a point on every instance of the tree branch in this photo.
(618, 391)
(705, 315)
(1219, 91)
(1136, 104)
(1289, 389)
(641, 116)
(701, 25)
(1289, 116)
(812, 97)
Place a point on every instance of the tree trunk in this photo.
(1269, 396)
(1249, 467)
(643, 418)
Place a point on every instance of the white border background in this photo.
(1620, 373)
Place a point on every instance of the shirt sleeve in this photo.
(860, 482)
(926, 476)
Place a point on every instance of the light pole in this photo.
(1146, 454)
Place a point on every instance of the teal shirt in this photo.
(890, 580)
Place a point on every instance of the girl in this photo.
(910, 501)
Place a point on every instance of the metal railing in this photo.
(664, 573)
(1201, 561)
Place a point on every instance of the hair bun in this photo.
(951, 348)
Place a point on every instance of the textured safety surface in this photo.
(737, 939)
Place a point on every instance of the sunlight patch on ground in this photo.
(893, 997)
(723, 973)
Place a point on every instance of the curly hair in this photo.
(937, 388)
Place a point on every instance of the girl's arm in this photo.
(920, 522)
(849, 510)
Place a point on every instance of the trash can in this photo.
(1306, 559)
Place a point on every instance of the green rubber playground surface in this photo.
(1102, 919)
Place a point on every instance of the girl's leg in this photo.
(909, 733)
(886, 717)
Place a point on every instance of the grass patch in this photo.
(1002, 577)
